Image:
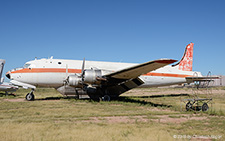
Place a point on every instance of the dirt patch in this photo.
(156, 109)
(144, 118)
(177, 118)
(15, 100)
(117, 119)
(126, 119)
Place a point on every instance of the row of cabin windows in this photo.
(28, 65)
(58, 63)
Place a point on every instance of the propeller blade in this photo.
(82, 70)
(66, 71)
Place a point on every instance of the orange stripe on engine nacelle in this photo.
(62, 70)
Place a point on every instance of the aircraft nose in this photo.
(8, 75)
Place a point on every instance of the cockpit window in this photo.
(26, 65)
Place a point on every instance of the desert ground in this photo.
(139, 114)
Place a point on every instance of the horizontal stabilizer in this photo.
(204, 78)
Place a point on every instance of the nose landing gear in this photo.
(30, 96)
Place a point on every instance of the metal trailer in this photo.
(199, 104)
(200, 86)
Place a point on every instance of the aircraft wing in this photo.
(24, 85)
(7, 87)
(137, 70)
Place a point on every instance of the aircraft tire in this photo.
(30, 97)
(106, 98)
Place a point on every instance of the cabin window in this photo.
(59, 62)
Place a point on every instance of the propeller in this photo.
(80, 76)
(66, 70)
(65, 81)
(82, 72)
(83, 65)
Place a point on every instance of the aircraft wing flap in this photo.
(137, 70)
(125, 86)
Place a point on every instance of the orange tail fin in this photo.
(185, 63)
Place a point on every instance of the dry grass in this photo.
(140, 114)
(83, 131)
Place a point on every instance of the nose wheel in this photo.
(30, 96)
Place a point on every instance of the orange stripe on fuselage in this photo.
(62, 70)
(166, 75)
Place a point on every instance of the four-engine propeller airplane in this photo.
(4, 86)
(102, 80)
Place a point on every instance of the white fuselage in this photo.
(53, 72)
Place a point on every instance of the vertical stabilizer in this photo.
(185, 63)
(2, 62)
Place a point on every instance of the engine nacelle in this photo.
(74, 80)
(72, 91)
(90, 76)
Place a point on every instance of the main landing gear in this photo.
(106, 98)
(30, 96)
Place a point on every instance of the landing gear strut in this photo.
(30, 96)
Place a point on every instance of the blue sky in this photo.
(133, 31)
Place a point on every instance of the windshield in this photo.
(26, 65)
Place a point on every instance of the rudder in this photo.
(185, 63)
